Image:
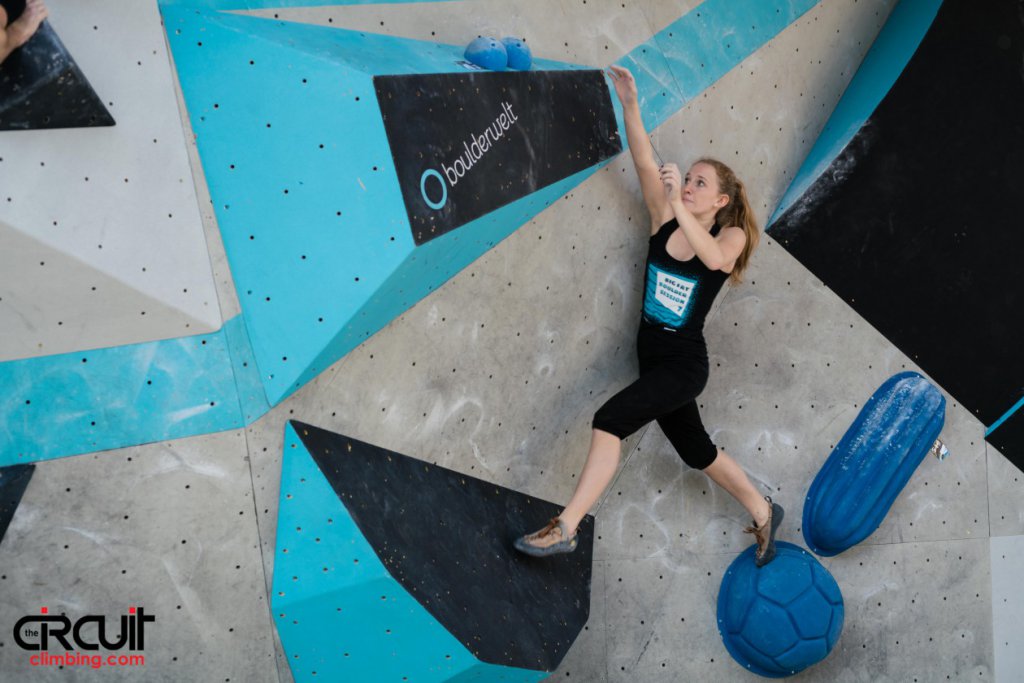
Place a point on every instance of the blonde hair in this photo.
(737, 213)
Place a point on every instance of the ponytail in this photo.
(737, 213)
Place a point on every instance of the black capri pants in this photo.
(673, 372)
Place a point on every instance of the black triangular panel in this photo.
(41, 86)
(446, 537)
(917, 225)
(13, 481)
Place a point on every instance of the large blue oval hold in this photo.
(872, 463)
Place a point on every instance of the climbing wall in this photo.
(407, 569)
(906, 267)
(496, 373)
(335, 203)
(170, 528)
(103, 243)
(791, 367)
(42, 87)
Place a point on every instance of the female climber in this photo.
(18, 22)
(702, 233)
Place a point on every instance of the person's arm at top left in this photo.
(18, 32)
(717, 253)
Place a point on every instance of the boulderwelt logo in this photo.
(466, 144)
(475, 148)
(58, 641)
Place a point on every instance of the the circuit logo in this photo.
(38, 632)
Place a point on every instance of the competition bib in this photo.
(667, 297)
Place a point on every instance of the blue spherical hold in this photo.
(519, 56)
(487, 53)
(782, 618)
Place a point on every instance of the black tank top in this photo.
(678, 294)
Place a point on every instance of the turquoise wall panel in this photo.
(304, 187)
(691, 53)
(252, 399)
(658, 91)
(74, 403)
(306, 198)
(437, 261)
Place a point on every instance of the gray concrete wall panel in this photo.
(1005, 493)
(227, 296)
(661, 620)
(587, 659)
(915, 611)
(115, 221)
(167, 526)
(52, 302)
(1007, 556)
(795, 367)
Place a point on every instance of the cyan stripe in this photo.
(252, 398)
(690, 54)
(895, 45)
(1009, 413)
(90, 401)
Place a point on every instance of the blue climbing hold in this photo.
(782, 618)
(487, 53)
(519, 56)
(876, 457)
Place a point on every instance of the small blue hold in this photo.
(487, 53)
(519, 57)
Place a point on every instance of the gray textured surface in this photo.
(1007, 606)
(103, 242)
(497, 374)
(1005, 493)
(168, 526)
(915, 611)
(661, 612)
